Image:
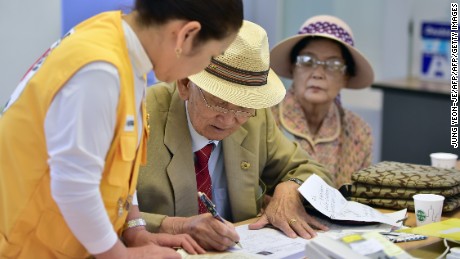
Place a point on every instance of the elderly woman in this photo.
(321, 60)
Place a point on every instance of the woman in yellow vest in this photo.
(73, 134)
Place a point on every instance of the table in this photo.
(429, 248)
(415, 120)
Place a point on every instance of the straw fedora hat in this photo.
(242, 75)
(330, 27)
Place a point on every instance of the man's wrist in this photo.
(299, 182)
(172, 225)
(296, 180)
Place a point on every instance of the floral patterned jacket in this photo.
(343, 143)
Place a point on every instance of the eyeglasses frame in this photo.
(317, 62)
(217, 108)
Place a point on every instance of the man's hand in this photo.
(286, 212)
(209, 232)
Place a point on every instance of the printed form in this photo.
(269, 243)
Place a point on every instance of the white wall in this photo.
(266, 13)
(28, 28)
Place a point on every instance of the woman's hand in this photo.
(286, 212)
(150, 250)
(141, 237)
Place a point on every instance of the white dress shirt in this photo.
(216, 170)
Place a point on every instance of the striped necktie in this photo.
(203, 179)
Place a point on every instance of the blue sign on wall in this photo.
(435, 54)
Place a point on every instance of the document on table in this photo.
(330, 202)
(272, 243)
(268, 243)
(226, 255)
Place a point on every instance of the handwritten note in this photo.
(340, 230)
(330, 202)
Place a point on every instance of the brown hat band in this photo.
(235, 75)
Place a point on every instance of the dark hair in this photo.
(351, 68)
(218, 18)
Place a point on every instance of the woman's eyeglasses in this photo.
(238, 113)
(333, 65)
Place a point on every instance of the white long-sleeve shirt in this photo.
(79, 127)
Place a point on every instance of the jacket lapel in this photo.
(241, 172)
(180, 170)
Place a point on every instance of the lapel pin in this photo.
(245, 165)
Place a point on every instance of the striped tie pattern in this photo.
(203, 179)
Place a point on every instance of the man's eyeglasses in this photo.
(334, 65)
(238, 113)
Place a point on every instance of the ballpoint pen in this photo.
(212, 209)
(402, 220)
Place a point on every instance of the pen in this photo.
(402, 220)
(212, 209)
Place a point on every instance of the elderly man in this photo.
(224, 110)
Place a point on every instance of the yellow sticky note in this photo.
(351, 238)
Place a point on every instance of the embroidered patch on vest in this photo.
(129, 124)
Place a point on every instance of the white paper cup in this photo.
(444, 160)
(428, 208)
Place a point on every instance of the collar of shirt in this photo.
(141, 61)
(198, 141)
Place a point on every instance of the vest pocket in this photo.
(8, 250)
(128, 147)
(59, 238)
(122, 164)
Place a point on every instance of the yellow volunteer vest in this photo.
(31, 225)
